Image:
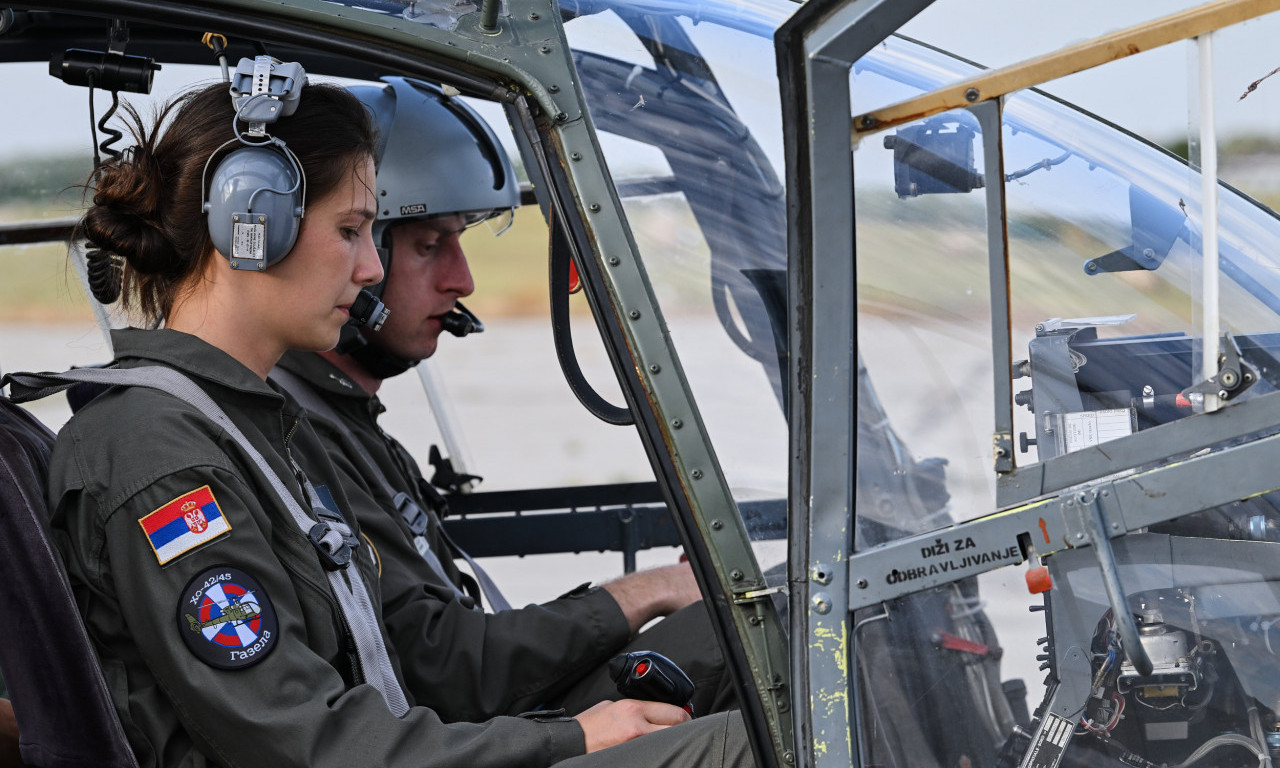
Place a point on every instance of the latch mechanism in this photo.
(1234, 374)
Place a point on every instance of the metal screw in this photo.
(262, 219)
(755, 620)
(553, 88)
(717, 525)
(1222, 393)
(634, 314)
(655, 368)
(544, 49)
(1115, 526)
(1091, 266)
(614, 261)
(575, 156)
(1079, 537)
(789, 757)
(822, 602)
(866, 122)
(384, 193)
(594, 207)
(235, 264)
(971, 95)
(862, 583)
(534, 17)
(696, 474)
(235, 218)
(561, 117)
(261, 266)
(820, 574)
(676, 423)
(735, 574)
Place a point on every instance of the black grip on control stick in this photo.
(652, 677)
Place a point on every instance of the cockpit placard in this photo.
(927, 561)
(1051, 742)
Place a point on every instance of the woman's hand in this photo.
(614, 722)
(9, 755)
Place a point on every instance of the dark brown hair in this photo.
(147, 204)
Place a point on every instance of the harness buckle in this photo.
(333, 539)
(411, 513)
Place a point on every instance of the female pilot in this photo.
(229, 629)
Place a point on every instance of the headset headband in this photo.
(252, 232)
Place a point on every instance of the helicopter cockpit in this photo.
(890, 377)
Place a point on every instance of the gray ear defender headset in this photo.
(256, 192)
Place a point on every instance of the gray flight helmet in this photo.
(435, 156)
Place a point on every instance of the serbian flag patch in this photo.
(185, 523)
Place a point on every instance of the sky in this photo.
(1001, 32)
(990, 32)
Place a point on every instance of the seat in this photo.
(64, 712)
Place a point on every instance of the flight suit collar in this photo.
(190, 354)
(330, 379)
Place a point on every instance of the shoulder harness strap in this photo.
(413, 515)
(330, 533)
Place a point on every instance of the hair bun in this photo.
(125, 218)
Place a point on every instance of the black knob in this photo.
(652, 677)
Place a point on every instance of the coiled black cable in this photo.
(105, 271)
(113, 135)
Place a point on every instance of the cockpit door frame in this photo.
(816, 49)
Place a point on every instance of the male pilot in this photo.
(441, 169)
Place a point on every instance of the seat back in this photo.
(64, 712)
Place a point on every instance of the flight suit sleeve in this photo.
(280, 698)
(468, 665)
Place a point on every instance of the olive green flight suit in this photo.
(134, 451)
(466, 664)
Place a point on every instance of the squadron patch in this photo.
(192, 519)
(226, 619)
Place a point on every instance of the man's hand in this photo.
(613, 722)
(646, 595)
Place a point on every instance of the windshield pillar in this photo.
(816, 51)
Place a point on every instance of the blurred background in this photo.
(521, 425)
